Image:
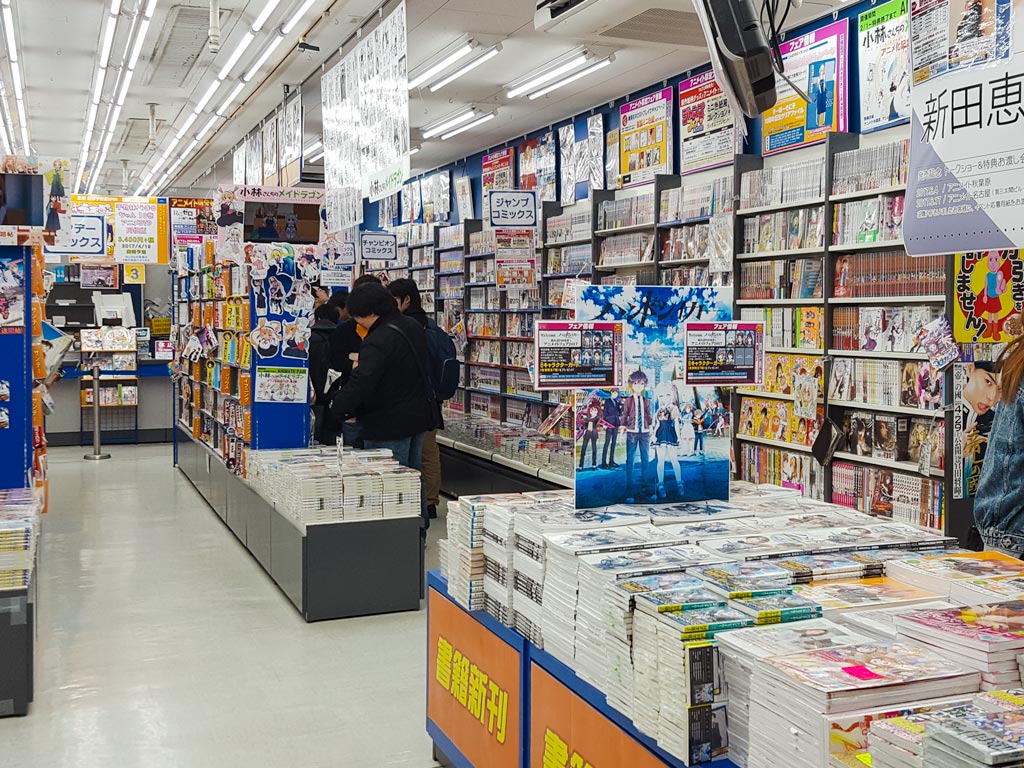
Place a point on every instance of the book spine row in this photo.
(906, 383)
(889, 273)
(680, 276)
(781, 279)
(613, 214)
(881, 329)
(627, 249)
(799, 228)
(870, 168)
(874, 220)
(896, 495)
(689, 242)
(765, 464)
(799, 327)
(783, 184)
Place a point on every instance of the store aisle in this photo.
(162, 644)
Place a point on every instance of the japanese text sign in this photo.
(513, 208)
(567, 732)
(137, 236)
(473, 685)
(571, 355)
(264, 194)
(83, 235)
(379, 246)
(729, 354)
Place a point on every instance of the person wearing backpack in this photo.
(443, 362)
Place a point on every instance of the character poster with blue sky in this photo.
(654, 439)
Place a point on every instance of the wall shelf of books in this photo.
(625, 234)
(685, 211)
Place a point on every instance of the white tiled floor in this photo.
(163, 644)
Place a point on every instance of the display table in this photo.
(17, 636)
(520, 707)
(324, 569)
(467, 470)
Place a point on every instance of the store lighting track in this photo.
(468, 126)
(269, 49)
(449, 123)
(312, 148)
(297, 17)
(414, 150)
(485, 57)
(243, 44)
(595, 67)
(226, 105)
(12, 55)
(268, 9)
(533, 82)
(201, 104)
(457, 55)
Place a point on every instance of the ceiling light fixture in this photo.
(450, 123)
(16, 76)
(264, 15)
(140, 38)
(236, 55)
(97, 90)
(316, 159)
(297, 17)
(188, 124)
(207, 128)
(312, 148)
(231, 97)
(465, 69)
(598, 65)
(431, 72)
(414, 150)
(532, 83)
(462, 129)
(108, 40)
(271, 47)
(115, 7)
(201, 104)
(12, 49)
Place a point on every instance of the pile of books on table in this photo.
(19, 529)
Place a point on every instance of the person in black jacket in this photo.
(319, 363)
(389, 387)
(611, 416)
(343, 354)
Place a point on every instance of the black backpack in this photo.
(444, 365)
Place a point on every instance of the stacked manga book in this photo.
(880, 623)
(19, 526)
(466, 566)
(842, 597)
(793, 183)
(868, 168)
(938, 573)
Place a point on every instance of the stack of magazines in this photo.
(880, 623)
(19, 522)
(938, 573)
(998, 590)
(844, 596)
(466, 566)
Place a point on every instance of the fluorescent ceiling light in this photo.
(150, 8)
(124, 88)
(16, 76)
(201, 104)
(170, 148)
(101, 74)
(414, 150)
(430, 73)
(207, 128)
(467, 68)
(271, 47)
(547, 77)
(188, 124)
(449, 124)
(316, 159)
(290, 24)
(572, 78)
(24, 126)
(108, 40)
(91, 120)
(312, 148)
(231, 97)
(264, 15)
(115, 7)
(106, 142)
(236, 55)
(462, 129)
(12, 49)
(188, 151)
(140, 38)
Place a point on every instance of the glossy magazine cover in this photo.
(783, 640)
(990, 626)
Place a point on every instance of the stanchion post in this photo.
(97, 449)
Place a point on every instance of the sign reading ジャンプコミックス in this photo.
(966, 186)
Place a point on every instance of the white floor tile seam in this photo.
(161, 642)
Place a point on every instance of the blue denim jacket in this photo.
(999, 504)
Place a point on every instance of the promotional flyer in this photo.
(988, 296)
(707, 135)
(645, 137)
(725, 354)
(574, 355)
(498, 173)
(883, 65)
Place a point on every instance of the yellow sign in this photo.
(134, 274)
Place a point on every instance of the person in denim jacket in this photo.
(999, 504)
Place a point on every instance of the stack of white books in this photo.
(790, 693)
(937, 573)
(974, 739)
(695, 512)
(840, 597)
(880, 623)
(742, 649)
(498, 551)
(466, 553)
(401, 496)
(984, 637)
(998, 590)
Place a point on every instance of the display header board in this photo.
(571, 355)
(727, 354)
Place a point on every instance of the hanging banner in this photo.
(270, 166)
(254, 158)
(497, 173)
(595, 152)
(81, 235)
(537, 166)
(707, 134)
(724, 354)
(571, 355)
(567, 149)
(192, 216)
(290, 140)
(238, 165)
(989, 296)
(645, 137)
(965, 190)
(141, 231)
(512, 208)
(976, 391)
(883, 65)
(464, 197)
(817, 62)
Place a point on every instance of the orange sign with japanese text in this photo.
(566, 732)
(473, 685)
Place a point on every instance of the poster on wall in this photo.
(192, 216)
(537, 166)
(729, 354)
(270, 166)
(254, 158)
(12, 294)
(660, 439)
(238, 159)
(571, 355)
(645, 137)
(464, 197)
(280, 385)
(611, 160)
(515, 261)
(707, 135)
(497, 173)
(989, 296)
(80, 235)
(567, 152)
(595, 151)
(817, 62)
(883, 65)
(965, 191)
(976, 390)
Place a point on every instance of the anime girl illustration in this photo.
(666, 436)
(988, 303)
(266, 338)
(296, 338)
(300, 299)
(308, 266)
(277, 293)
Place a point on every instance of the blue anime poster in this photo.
(654, 439)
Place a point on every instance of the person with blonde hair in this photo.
(666, 436)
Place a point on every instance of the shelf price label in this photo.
(513, 208)
(379, 246)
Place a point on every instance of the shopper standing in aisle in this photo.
(344, 356)
(389, 388)
(999, 505)
(319, 365)
(407, 295)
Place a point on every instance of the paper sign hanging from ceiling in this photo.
(537, 166)
(80, 234)
(883, 65)
(645, 137)
(707, 135)
(513, 208)
(254, 158)
(270, 152)
(965, 190)
(238, 165)
(497, 173)
(141, 231)
(817, 62)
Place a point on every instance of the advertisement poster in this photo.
(724, 354)
(498, 173)
(989, 296)
(707, 135)
(280, 385)
(515, 273)
(100, 276)
(80, 235)
(137, 236)
(965, 190)
(192, 216)
(254, 158)
(270, 166)
(659, 439)
(817, 63)
(464, 197)
(611, 159)
(645, 138)
(537, 166)
(578, 355)
(12, 294)
(976, 390)
(883, 65)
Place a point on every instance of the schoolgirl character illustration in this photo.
(988, 303)
(666, 436)
(276, 293)
(296, 338)
(259, 295)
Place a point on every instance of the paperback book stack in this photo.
(968, 739)
(971, 591)
(840, 597)
(790, 693)
(743, 649)
(466, 566)
(707, 513)
(880, 623)
(499, 520)
(19, 521)
(985, 637)
(937, 573)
